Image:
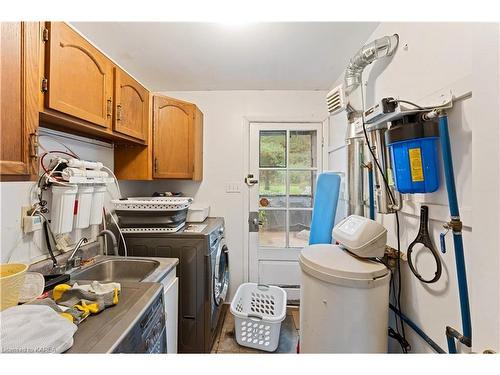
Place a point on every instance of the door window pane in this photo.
(272, 188)
(303, 149)
(272, 149)
(272, 230)
(302, 185)
(300, 226)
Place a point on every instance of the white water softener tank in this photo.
(344, 300)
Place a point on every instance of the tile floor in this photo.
(225, 342)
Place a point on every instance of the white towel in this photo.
(98, 288)
(34, 329)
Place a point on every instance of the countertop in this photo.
(102, 332)
(166, 265)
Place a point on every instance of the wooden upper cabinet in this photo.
(19, 82)
(80, 77)
(177, 139)
(131, 114)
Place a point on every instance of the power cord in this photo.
(396, 335)
(393, 201)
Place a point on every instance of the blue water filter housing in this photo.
(414, 152)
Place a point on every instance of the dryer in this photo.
(203, 273)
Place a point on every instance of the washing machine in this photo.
(203, 272)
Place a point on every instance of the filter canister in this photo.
(84, 198)
(97, 204)
(414, 154)
(61, 212)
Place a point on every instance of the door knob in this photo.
(253, 221)
(250, 180)
(256, 221)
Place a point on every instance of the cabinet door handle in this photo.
(109, 108)
(156, 164)
(118, 112)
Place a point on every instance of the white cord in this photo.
(116, 181)
(121, 234)
(104, 227)
(53, 170)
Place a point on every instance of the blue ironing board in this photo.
(325, 208)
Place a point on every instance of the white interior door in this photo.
(285, 158)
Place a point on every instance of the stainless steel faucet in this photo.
(74, 261)
(113, 239)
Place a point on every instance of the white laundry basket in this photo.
(258, 312)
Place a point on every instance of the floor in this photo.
(225, 342)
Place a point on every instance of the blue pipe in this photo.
(418, 330)
(457, 232)
(452, 348)
(372, 194)
(449, 174)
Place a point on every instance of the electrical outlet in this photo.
(32, 223)
(25, 212)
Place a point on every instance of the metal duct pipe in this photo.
(355, 176)
(370, 52)
(381, 47)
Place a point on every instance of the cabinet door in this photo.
(131, 106)
(173, 128)
(19, 82)
(80, 78)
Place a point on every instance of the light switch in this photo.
(233, 187)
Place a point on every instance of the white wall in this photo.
(225, 138)
(433, 59)
(15, 246)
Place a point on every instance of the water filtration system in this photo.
(77, 188)
(402, 139)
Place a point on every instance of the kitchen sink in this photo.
(118, 270)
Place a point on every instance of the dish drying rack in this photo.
(152, 203)
(152, 214)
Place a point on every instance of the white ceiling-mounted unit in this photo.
(335, 100)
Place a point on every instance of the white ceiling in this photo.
(214, 56)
